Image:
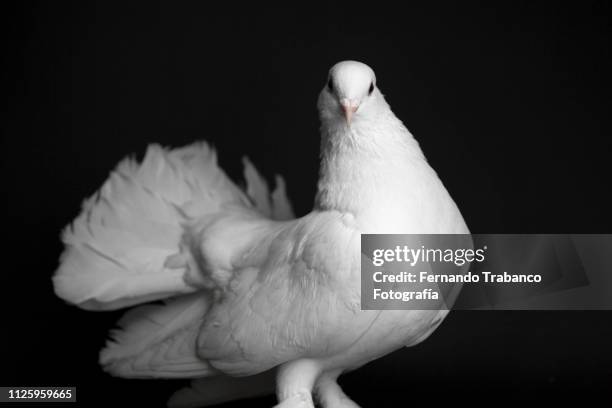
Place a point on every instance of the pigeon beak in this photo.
(349, 107)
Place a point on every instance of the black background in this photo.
(509, 103)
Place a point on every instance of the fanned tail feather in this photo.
(118, 248)
(158, 341)
(275, 205)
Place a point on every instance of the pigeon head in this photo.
(350, 91)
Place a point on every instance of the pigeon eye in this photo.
(330, 85)
(371, 88)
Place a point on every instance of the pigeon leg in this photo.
(294, 382)
(329, 393)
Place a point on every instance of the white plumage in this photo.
(248, 294)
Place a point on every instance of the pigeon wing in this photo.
(291, 295)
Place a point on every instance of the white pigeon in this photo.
(254, 299)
